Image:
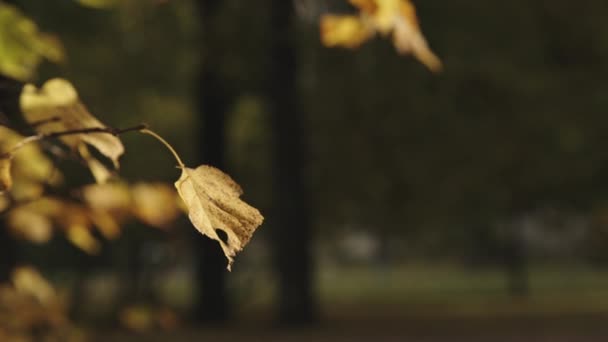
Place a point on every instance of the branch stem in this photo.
(167, 145)
(38, 137)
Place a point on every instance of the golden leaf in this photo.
(81, 237)
(212, 198)
(396, 17)
(55, 107)
(368, 6)
(6, 181)
(24, 47)
(113, 198)
(28, 281)
(28, 165)
(346, 31)
(99, 4)
(155, 204)
(30, 224)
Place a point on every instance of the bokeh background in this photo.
(400, 204)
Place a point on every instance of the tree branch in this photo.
(52, 135)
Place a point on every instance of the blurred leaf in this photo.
(141, 318)
(30, 225)
(155, 204)
(31, 310)
(137, 318)
(30, 282)
(82, 238)
(347, 31)
(6, 182)
(113, 198)
(55, 107)
(212, 198)
(32, 221)
(384, 16)
(22, 46)
(99, 4)
(27, 168)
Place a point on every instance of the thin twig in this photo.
(38, 137)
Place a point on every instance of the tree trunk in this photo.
(213, 304)
(516, 260)
(9, 111)
(291, 231)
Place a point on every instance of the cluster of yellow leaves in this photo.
(211, 198)
(55, 107)
(27, 170)
(31, 310)
(22, 46)
(104, 207)
(387, 17)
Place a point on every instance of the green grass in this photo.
(450, 290)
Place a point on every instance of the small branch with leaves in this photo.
(212, 198)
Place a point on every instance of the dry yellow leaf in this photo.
(55, 107)
(346, 31)
(387, 17)
(213, 202)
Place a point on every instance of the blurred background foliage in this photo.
(438, 195)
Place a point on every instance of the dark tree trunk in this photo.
(291, 231)
(213, 305)
(9, 112)
(516, 263)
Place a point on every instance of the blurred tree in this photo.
(292, 231)
(214, 102)
(9, 94)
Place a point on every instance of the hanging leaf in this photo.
(214, 206)
(22, 46)
(212, 198)
(386, 17)
(55, 107)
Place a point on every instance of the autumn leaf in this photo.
(28, 167)
(386, 17)
(99, 4)
(22, 46)
(212, 198)
(6, 181)
(155, 204)
(28, 281)
(55, 107)
(346, 31)
(30, 225)
(214, 205)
